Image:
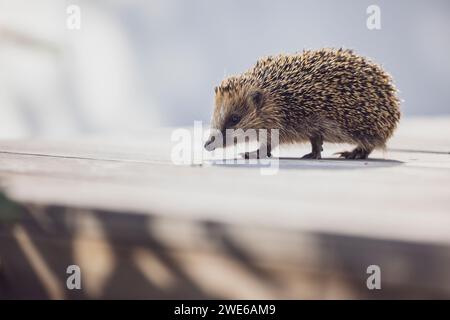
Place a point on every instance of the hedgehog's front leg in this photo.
(316, 143)
(264, 151)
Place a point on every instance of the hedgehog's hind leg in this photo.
(316, 143)
(357, 153)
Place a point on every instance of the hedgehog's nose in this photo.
(209, 144)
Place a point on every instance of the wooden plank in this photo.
(379, 201)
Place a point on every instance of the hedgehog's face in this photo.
(237, 108)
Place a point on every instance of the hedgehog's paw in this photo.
(312, 155)
(254, 155)
(250, 155)
(343, 154)
(355, 154)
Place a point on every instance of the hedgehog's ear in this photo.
(256, 99)
(216, 89)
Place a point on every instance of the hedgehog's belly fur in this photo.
(328, 129)
(341, 130)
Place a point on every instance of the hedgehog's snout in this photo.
(209, 145)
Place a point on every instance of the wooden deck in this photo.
(141, 227)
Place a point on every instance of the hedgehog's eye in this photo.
(234, 119)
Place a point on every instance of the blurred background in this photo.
(137, 64)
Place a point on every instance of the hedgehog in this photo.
(316, 96)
